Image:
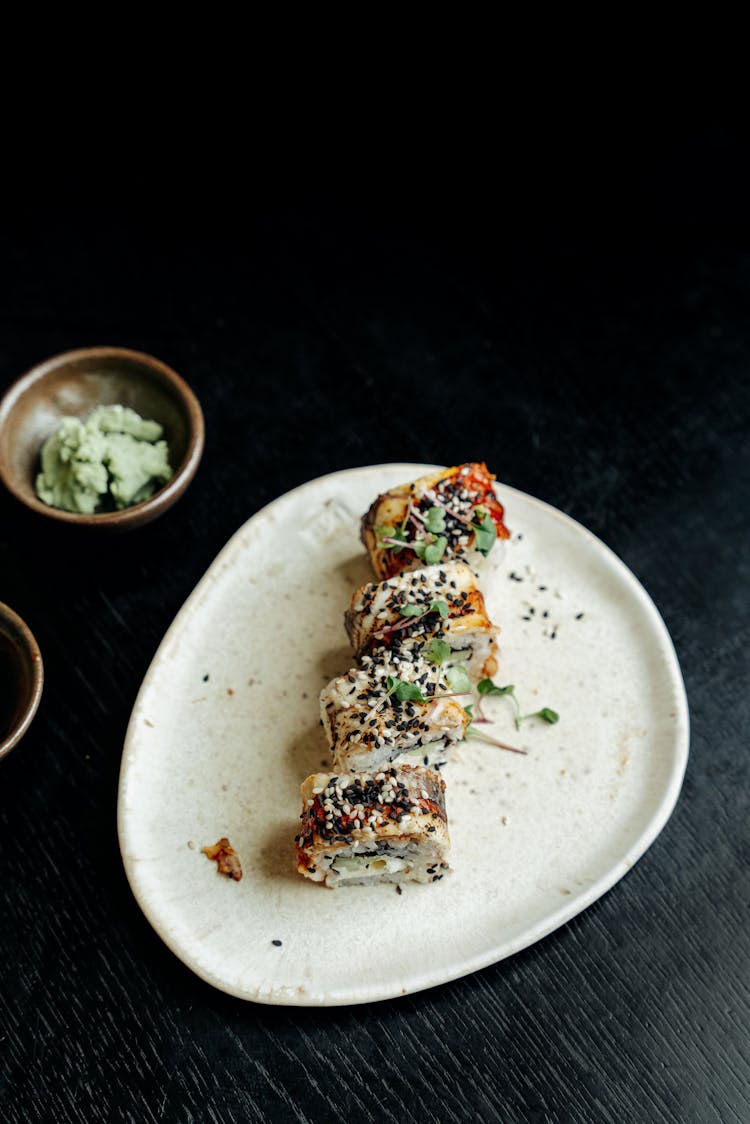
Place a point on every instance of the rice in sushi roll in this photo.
(387, 826)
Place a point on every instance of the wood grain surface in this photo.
(598, 362)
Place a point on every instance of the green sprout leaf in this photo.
(435, 551)
(545, 714)
(404, 692)
(398, 534)
(419, 547)
(439, 607)
(485, 535)
(435, 520)
(487, 687)
(437, 651)
(458, 679)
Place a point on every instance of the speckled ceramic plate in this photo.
(225, 728)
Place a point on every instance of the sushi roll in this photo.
(452, 514)
(383, 712)
(387, 826)
(413, 609)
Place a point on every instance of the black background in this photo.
(576, 311)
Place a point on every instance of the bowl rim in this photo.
(162, 498)
(22, 638)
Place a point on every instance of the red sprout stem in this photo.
(382, 633)
(501, 745)
(397, 542)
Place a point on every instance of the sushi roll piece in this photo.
(409, 611)
(452, 514)
(386, 826)
(396, 711)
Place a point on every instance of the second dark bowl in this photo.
(21, 678)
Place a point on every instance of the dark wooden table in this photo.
(600, 361)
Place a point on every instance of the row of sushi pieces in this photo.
(421, 637)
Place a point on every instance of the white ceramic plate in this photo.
(225, 728)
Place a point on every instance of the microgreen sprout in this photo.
(545, 714)
(458, 679)
(429, 549)
(435, 520)
(487, 687)
(430, 552)
(412, 610)
(404, 692)
(393, 537)
(480, 522)
(437, 651)
(472, 732)
(485, 534)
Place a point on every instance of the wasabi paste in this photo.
(112, 458)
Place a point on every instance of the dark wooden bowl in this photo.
(74, 383)
(21, 678)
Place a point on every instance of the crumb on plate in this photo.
(227, 858)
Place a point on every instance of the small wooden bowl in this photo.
(21, 678)
(73, 384)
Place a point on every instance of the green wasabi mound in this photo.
(111, 459)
